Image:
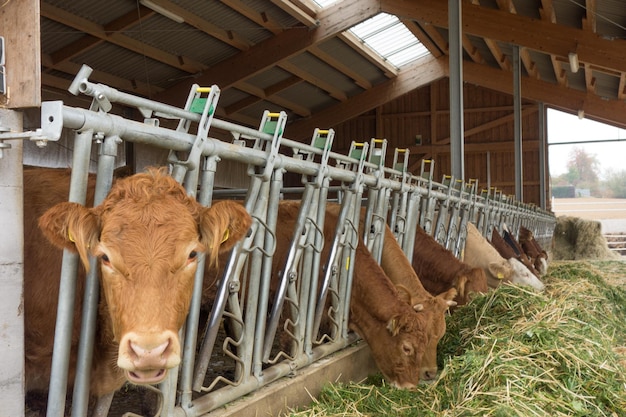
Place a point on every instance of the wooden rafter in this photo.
(369, 54)
(421, 72)
(595, 107)
(303, 16)
(511, 28)
(313, 79)
(282, 46)
(262, 19)
(419, 33)
(340, 66)
(117, 38)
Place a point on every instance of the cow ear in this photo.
(393, 325)
(403, 293)
(497, 269)
(71, 226)
(222, 225)
(460, 285)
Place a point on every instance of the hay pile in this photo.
(576, 239)
(514, 352)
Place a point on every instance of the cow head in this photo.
(147, 235)
(522, 276)
(471, 281)
(433, 311)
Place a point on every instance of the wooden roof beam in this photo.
(368, 53)
(595, 107)
(419, 33)
(590, 20)
(229, 37)
(281, 102)
(511, 28)
(296, 12)
(261, 19)
(313, 79)
(421, 72)
(87, 42)
(340, 66)
(333, 20)
(71, 20)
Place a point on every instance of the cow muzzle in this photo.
(146, 358)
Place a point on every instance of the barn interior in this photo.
(469, 93)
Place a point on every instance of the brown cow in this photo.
(480, 253)
(147, 234)
(509, 248)
(402, 333)
(533, 250)
(439, 270)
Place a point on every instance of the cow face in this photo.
(147, 235)
(471, 282)
(522, 276)
(433, 311)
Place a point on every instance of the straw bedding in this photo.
(515, 352)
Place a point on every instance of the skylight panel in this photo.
(390, 38)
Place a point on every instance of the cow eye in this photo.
(193, 255)
(407, 349)
(105, 260)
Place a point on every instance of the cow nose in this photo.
(428, 374)
(149, 357)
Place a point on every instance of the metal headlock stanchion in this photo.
(306, 294)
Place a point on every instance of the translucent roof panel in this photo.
(387, 36)
(390, 38)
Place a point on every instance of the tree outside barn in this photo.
(585, 178)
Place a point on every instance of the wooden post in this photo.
(19, 21)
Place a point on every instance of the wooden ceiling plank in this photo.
(590, 19)
(419, 33)
(333, 20)
(471, 50)
(368, 53)
(559, 71)
(301, 15)
(491, 124)
(590, 80)
(261, 19)
(240, 105)
(229, 37)
(87, 42)
(435, 36)
(340, 66)
(74, 49)
(567, 99)
(282, 85)
(122, 84)
(313, 79)
(421, 72)
(621, 90)
(547, 11)
(497, 53)
(76, 22)
(279, 101)
(510, 28)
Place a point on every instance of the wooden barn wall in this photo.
(420, 121)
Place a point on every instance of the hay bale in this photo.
(578, 239)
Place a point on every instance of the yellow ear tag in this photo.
(500, 275)
(347, 263)
(226, 236)
(70, 237)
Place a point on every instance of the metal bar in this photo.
(104, 179)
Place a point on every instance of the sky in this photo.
(564, 127)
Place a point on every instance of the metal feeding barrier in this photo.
(261, 334)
